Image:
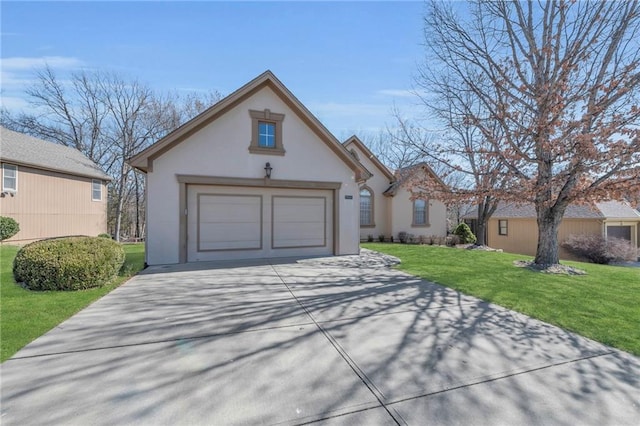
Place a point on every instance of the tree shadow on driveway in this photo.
(300, 341)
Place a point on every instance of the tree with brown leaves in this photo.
(558, 85)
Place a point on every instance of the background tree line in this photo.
(109, 118)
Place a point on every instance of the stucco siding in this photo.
(220, 149)
(402, 216)
(522, 235)
(378, 183)
(51, 204)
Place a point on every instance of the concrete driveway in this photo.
(334, 340)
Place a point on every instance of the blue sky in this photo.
(348, 62)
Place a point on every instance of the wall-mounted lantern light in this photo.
(267, 170)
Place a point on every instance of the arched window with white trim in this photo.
(366, 207)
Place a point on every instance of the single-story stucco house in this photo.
(387, 206)
(514, 229)
(254, 176)
(51, 190)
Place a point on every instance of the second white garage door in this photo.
(245, 223)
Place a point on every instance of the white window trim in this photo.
(93, 181)
(372, 223)
(15, 169)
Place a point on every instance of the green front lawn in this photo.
(26, 315)
(603, 305)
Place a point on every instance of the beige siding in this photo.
(50, 204)
(522, 235)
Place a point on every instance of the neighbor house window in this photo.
(266, 132)
(96, 190)
(503, 227)
(366, 207)
(9, 178)
(420, 212)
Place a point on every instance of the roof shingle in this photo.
(602, 210)
(26, 150)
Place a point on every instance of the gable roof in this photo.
(617, 209)
(403, 174)
(18, 148)
(144, 160)
(601, 210)
(354, 140)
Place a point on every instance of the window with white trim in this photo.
(96, 190)
(9, 177)
(366, 207)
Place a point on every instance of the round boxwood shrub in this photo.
(464, 233)
(8, 227)
(72, 263)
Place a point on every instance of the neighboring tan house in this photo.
(386, 207)
(514, 229)
(254, 176)
(50, 190)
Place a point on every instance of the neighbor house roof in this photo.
(601, 210)
(617, 210)
(354, 140)
(18, 148)
(403, 174)
(144, 160)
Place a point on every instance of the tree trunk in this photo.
(481, 232)
(137, 189)
(120, 200)
(548, 223)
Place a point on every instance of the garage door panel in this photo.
(224, 236)
(299, 234)
(229, 222)
(225, 222)
(299, 222)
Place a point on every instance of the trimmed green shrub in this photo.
(464, 233)
(103, 235)
(72, 263)
(8, 227)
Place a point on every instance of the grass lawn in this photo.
(603, 305)
(26, 315)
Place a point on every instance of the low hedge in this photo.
(72, 263)
(8, 227)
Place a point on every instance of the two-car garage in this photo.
(230, 222)
(254, 176)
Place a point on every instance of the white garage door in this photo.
(246, 223)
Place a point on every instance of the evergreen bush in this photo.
(464, 233)
(8, 227)
(72, 263)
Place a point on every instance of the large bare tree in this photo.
(109, 118)
(558, 84)
(462, 156)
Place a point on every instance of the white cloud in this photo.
(397, 93)
(17, 63)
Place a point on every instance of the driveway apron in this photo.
(342, 340)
